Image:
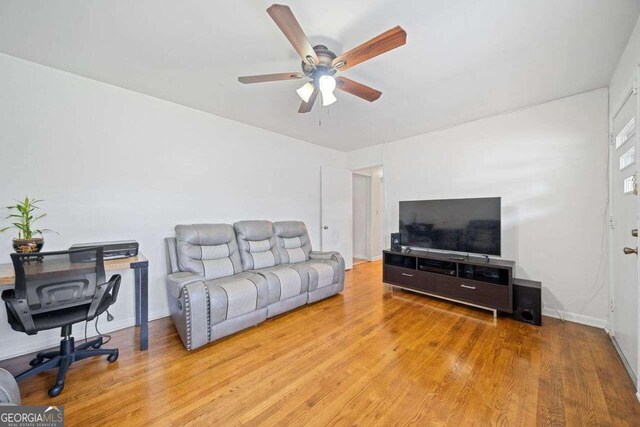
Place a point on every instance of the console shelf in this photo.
(476, 281)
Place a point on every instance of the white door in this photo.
(624, 244)
(337, 213)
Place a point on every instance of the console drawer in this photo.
(400, 276)
(484, 294)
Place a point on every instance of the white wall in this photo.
(626, 70)
(361, 205)
(548, 163)
(114, 164)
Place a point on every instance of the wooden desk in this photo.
(140, 266)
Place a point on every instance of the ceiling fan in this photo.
(320, 64)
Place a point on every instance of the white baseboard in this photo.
(359, 256)
(577, 318)
(376, 258)
(49, 339)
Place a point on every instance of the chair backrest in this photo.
(209, 250)
(292, 240)
(57, 280)
(257, 244)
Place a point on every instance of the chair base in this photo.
(62, 359)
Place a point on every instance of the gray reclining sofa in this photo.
(227, 278)
(9, 391)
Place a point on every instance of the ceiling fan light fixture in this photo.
(327, 84)
(305, 91)
(328, 98)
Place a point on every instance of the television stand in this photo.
(467, 280)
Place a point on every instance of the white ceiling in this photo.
(464, 59)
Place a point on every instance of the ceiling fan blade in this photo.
(385, 42)
(269, 77)
(289, 25)
(305, 107)
(357, 89)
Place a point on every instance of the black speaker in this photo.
(395, 242)
(527, 301)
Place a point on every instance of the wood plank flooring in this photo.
(366, 357)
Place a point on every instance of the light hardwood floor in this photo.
(367, 357)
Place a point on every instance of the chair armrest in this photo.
(177, 281)
(9, 391)
(19, 309)
(112, 287)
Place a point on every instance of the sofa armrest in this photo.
(176, 281)
(9, 391)
(329, 255)
(323, 255)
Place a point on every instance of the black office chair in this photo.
(56, 290)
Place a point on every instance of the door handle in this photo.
(629, 251)
(408, 275)
(473, 288)
(325, 228)
(634, 232)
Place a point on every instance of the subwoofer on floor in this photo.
(527, 301)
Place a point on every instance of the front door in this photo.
(625, 241)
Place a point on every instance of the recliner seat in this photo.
(210, 296)
(224, 279)
(288, 285)
(325, 269)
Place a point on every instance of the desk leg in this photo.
(142, 304)
(137, 287)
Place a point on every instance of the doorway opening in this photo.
(368, 193)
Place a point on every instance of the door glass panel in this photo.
(626, 133)
(628, 185)
(628, 158)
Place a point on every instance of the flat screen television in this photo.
(459, 225)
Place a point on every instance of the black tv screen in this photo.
(460, 225)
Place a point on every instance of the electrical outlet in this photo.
(612, 305)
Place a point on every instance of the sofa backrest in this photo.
(209, 250)
(257, 244)
(292, 240)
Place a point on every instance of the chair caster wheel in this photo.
(37, 361)
(113, 357)
(55, 390)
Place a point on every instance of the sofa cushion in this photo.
(257, 244)
(209, 250)
(292, 240)
(285, 281)
(231, 297)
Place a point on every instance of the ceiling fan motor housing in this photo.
(323, 67)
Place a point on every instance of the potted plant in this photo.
(23, 216)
